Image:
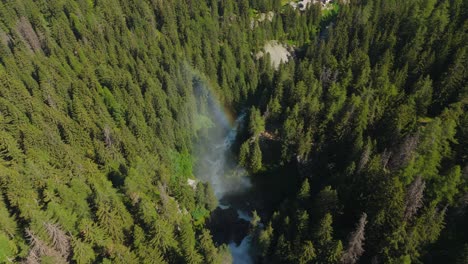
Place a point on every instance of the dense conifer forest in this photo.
(356, 145)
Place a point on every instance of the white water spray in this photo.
(217, 165)
(215, 162)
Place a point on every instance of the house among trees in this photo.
(302, 5)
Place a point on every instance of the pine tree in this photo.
(256, 122)
(244, 154)
(328, 249)
(304, 192)
(256, 157)
(210, 198)
(307, 253)
(207, 248)
(187, 243)
(264, 240)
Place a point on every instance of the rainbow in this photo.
(215, 95)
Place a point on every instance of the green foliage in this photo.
(256, 157)
(331, 11)
(209, 251)
(264, 240)
(82, 252)
(99, 104)
(210, 199)
(199, 215)
(181, 166)
(206, 202)
(250, 156)
(7, 248)
(187, 244)
(307, 253)
(244, 154)
(304, 192)
(365, 109)
(256, 122)
(99, 135)
(202, 122)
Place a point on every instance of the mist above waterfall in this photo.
(239, 252)
(215, 162)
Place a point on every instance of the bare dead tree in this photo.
(386, 155)
(364, 157)
(50, 101)
(356, 242)
(26, 31)
(5, 38)
(107, 136)
(414, 197)
(32, 258)
(328, 76)
(39, 249)
(60, 240)
(405, 152)
(163, 195)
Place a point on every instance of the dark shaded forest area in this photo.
(365, 125)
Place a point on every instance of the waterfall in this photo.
(216, 164)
